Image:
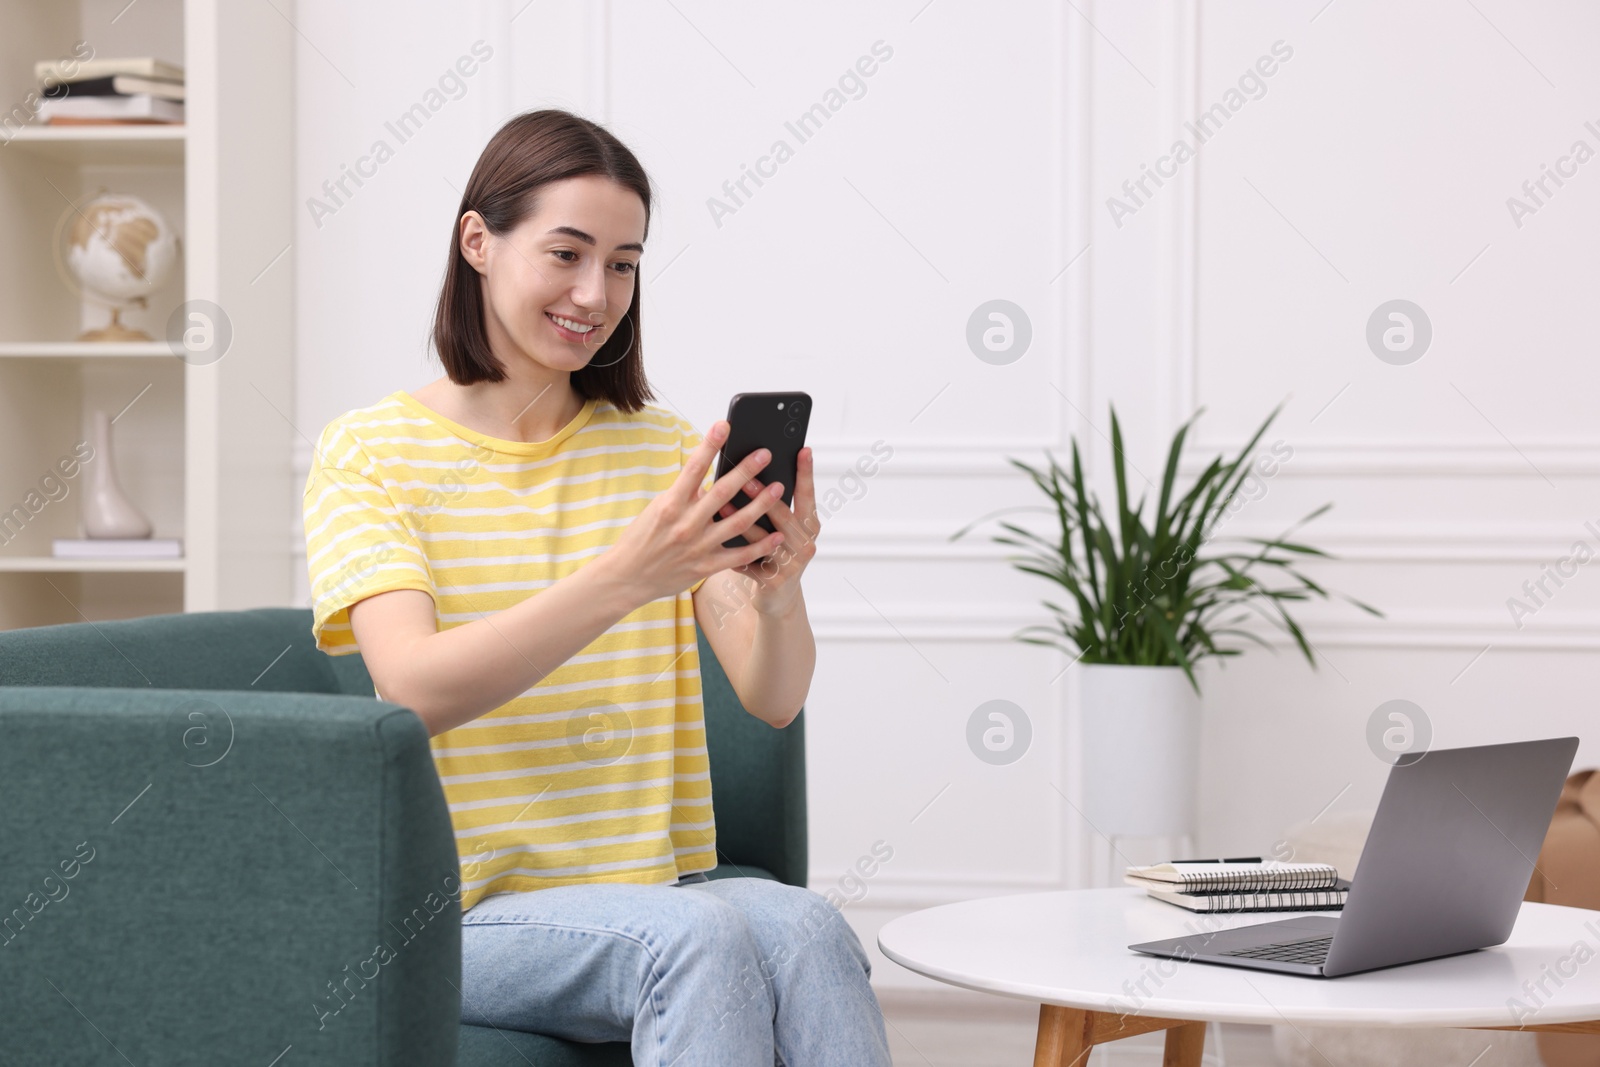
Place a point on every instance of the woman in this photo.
(520, 551)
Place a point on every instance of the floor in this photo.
(979, 1031)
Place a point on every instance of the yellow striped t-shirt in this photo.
(598, 773)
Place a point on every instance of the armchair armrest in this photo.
(214, 876)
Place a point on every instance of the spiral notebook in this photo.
(1330, 898)
(1253, 885)
(1235, 875)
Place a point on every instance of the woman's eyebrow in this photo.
(572, 231)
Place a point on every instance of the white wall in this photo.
(976, 165)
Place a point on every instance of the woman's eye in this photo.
(627, 267)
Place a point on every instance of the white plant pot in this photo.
(1140, 734)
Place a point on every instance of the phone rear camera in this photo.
(795, 408)
(791, 429)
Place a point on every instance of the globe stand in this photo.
(115, 331)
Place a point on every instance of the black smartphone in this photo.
(776, 422)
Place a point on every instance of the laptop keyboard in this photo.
(1313, 951)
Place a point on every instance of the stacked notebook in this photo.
(1243, 885)
(110, 91)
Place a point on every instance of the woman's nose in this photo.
(589, 293)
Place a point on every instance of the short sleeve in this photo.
(691, 439)
(357, 545)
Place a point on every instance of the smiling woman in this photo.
(539, 615)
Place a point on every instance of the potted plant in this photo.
(1148, 601)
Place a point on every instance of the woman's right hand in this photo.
(674, 541)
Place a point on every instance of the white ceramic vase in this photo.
(107, 511)
(1140, 735)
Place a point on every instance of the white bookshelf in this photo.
(107, 146)
(52, 565)
(203, 449)
(84, 350)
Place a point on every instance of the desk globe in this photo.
(118, 250)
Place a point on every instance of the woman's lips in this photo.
(572, 336)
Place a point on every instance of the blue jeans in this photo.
(732, 971)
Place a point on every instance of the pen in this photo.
(1236, 859)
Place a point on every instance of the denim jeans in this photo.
(731, 972)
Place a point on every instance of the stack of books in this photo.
(97, 92)
(1250, 884)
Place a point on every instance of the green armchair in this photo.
(217, 846)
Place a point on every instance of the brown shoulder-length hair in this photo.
(527, 153)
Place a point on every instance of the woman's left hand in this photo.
(777, 577)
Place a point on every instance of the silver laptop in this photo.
(1444, 869)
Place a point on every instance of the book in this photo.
(78, 70)
(117, 548)
(1234, 876)
(116, 85)
(1330, 898)
(141, 107)
(69, 121)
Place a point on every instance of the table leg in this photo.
(1063, 1039)
(1185, 1045)
(1067, 1034)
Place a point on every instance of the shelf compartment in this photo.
(101, 145)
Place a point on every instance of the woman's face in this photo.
(571, 264)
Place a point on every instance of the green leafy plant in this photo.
(1154, 595)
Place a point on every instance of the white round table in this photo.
(1068, 951)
